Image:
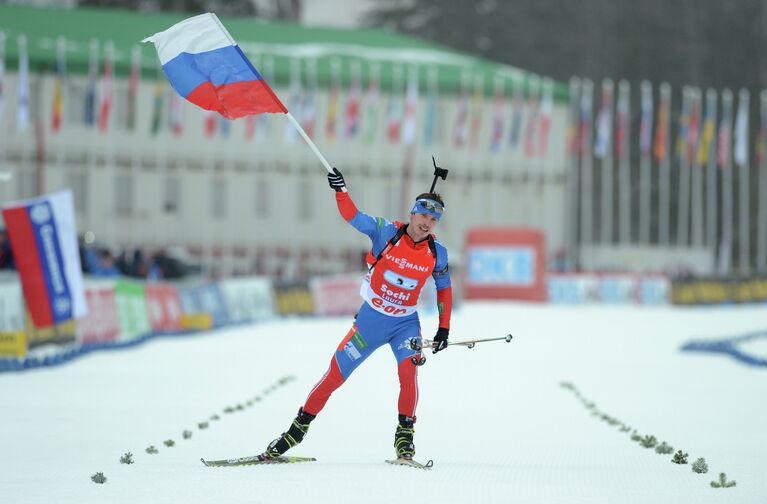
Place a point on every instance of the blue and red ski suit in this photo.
(388, 314)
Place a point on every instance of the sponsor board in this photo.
(13, 344)
(163, 307)
(247, 299)
(100, 324)
(337, 294)
(718, 291)
(132, 316)
(580, 288)
(505, 263)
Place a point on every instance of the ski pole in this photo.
(425, 342)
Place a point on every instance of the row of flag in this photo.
(706, 129)
(356, 113)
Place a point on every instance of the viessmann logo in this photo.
(403, 263)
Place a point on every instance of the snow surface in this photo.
(494, 419)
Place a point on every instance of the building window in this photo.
(79, 185)
(123, 195)
(172, 196)
(218, 199)
(261, 201)
(304, 201)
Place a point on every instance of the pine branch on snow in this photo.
(700, 466)
(723, 483)
(680, 457)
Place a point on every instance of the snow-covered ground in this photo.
(494, 419)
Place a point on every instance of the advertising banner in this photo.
(505, 263)
(100, 324)
(337, 294)
(131, 310)
(247, 298)
(163, 307)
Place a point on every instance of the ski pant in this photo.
(370, 331)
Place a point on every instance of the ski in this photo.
(255, 460)
(411, 463)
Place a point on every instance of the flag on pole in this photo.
(740, 152)
(411, 108)
(371, 104)
(622, 118)
(430, 117)
(707, 137)
(604, 125)
(477, 104)
(573, 117)
(693, 126)
(547, 109)
(308, 107)
(294, 98)
(176, 114)
(645, 123)
(43, 238)
(211, 124)
(533, 116)
(394, 114)
(724, 136)
(684, 119)
(22, 110)
(460, 129)
(661, 130)
(2, 72)
(90, 87)
(135, 75)
(58, 84)
(761, 141)
(250, 127)
(332, 116)
(584, 130)
(206, 66)
(106, 88)
(517, 105)
(352, 112)
(262, 120)
(225, 126)
(496, 134)
(157, 107)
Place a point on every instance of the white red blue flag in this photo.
(43, 239)
(206, 66)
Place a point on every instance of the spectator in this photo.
(6, 254)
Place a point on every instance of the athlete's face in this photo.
(421, 226)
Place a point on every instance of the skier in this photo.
(400, 261)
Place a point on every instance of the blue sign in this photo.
(501, 266)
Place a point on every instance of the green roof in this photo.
(270, 45)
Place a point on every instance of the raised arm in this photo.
(362, 222)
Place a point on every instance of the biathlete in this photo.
(402, 258)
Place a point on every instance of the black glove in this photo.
(440, 340)
(336, 180)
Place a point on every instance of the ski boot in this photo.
(289, 439)
(403, 438)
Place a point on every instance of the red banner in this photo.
(336, 295)
(100, 324)
(505, 263)
(163, 307)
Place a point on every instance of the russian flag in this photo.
(43, 239)
(206, 66)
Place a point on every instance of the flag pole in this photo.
(310, 143)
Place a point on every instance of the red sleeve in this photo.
(445, 306)
(346, 206)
